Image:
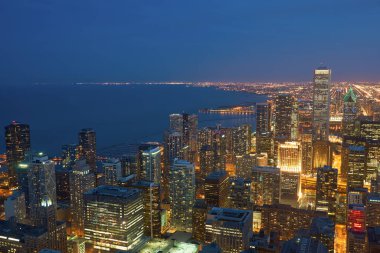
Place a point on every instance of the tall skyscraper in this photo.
(229, 228)
(70, 153)
(323, 230)
(265, 185)
(263, 117)
(17, 143)
(216, 189)
(81, 181)
(152, 210)
(112, 171)
(239, 195)
(241, 140)
(327, 187)
(244, 165)
(354, 158)
(321, 104)
(350, 111)
(373, 210)
(307, 153)
(187, 125)
(114, 218)
(182, 194)
(87, 147)
(199, 220)
(149, 163)
(206, 166)
(290, 162)
(284, 119)
(43, 201)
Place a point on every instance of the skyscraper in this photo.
(327, 187)
(229, 228)
(152, 211)
(265, 185)
(290, 162)
(321, 103)
(81, 181)
(70, 153)
(350, 111)
(216, 189)
(354, 157)
(206, 166)
(182, 194)
(244, 165)
(199, 220)
(114, 218)
(241, 140)
(149, 163)
(112, 171)
(87, 147)
(283, 113)
(263, 111)
(17, 143)
(239, 195)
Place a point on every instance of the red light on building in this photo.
(356, 218)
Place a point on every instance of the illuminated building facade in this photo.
(307, 153)
(112, 171)
(239, 196)
(81, 181)
(322, 154)
(149, 163)
(284, 117)
(354, 158)
(182, 194)
(70, 153)
(323, 230)
(152, 210)
(321, 104)
(15, 207)
(62, 182)
(199, 220)
(87, 147)
(286, 220)
(244, 165)
(290, 162)
(216, 189)
(350, 111)
(327, 187)
(241, 140)
(17, 143)
(206, 166)
(229, 228)
(265, 185)
(114, 218)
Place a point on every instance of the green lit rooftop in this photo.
(168, 246)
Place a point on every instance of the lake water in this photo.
(118, 114)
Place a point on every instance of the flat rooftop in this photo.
(168, 246)
(113, 191)
(229, 214)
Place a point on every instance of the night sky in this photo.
(65, 41)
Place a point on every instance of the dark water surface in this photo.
(119, 114)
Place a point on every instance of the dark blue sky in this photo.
(61, 41)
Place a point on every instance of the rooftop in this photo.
(229, 214)
(113, 191)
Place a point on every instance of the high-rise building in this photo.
(239, 195)
(229, 228)
(81, 181)
(114, 218)
(263, 117)
(244, 165)
(323, 230)
(350, 111)
(327, 187)
(43, 201)
(284, 118)
(199, 220)
(15, 207)
(286, 220)
(87, 147)
(321, 104)
(373, 210)
(354, 158)
(373, 235)
(265, 186)
(62, 182)
(290, 162)
(368, 128)
(241, 140)
(307, 153)
(265, 144)
(304, 244)
(70, 153)
(187, 125)
(42, 188)
(17, 143)
(182, 194)
(322, 154)
(216, 189)
(206, 166)
(152, 210)
(112, 171)
(149, 163)
(174, 148)
(356, 242)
